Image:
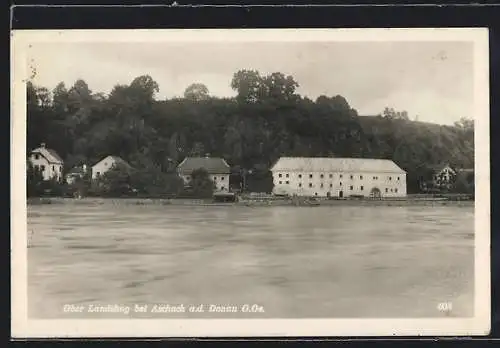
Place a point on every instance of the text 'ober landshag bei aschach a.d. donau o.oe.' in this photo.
(163, 308)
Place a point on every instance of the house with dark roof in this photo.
(47, 161)
(443, 176)
(217, 168)
(75, 173)
(106, 164)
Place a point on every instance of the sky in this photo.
(430, 80)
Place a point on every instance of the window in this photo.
(331, 185)
(352, 177)
(391, 190)
(300, 184)
(331, 176)
(310, 176)
(37, 156)
(361, 188)
(361, 177)
(42, 167)
(222, 188)
(287, 175)
(310, 185)
(340, 184)
(350, 188)
(215, 178)
(341, 176)
(386, 190)
(390, 178)
(300, 176)
(53, 168)
(315, 193)
(321, 176)
(98, 173)
(287, 182)
(280, 182)
(222, 178)
(280, 175)
(398, 178)
(321, 184)
(60, 169)
(396, 190)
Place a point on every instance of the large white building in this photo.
(338, 177)
(48, 162)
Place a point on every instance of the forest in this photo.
(265, 120)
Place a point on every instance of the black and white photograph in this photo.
(263, 182)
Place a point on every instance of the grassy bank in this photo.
(409, 201)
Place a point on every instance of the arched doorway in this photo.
(341, 194)
(328, 194)
(375, 193)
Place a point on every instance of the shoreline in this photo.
(394, 202)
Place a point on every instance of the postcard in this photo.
(250, 183)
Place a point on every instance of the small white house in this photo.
(338, 177)
(48, 162)
(443, 176)
(217, 168)
(106, 164)
(76, 173)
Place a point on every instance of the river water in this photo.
(283, 262)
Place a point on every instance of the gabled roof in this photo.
(76, 170)
(213, 165)
(325, 164)
(440, 167)
(50, 155)
(118, 160)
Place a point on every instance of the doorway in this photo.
(341, 194)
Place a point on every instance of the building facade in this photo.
(76, 173)
(443, 177)
(338, 177)
(107, 164)
(48, 162)
(217, 168)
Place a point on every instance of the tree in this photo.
(196, 92)
(201, 184)
(249, 86)
(34, 180)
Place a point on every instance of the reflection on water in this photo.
(295, 262)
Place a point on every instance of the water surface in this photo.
(294, 262)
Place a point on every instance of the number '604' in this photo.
(445, 306)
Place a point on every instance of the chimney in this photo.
(42, 145)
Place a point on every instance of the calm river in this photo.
(292, 262)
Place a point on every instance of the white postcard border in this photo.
(22, 327)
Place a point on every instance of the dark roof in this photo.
(440, 167)
(213, 165)
(76, 170)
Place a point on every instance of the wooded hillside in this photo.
(267, 119)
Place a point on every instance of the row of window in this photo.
(361, 188)
(42, 167)
(331, 176)
(215, 178)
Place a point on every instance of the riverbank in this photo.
(409, 201)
